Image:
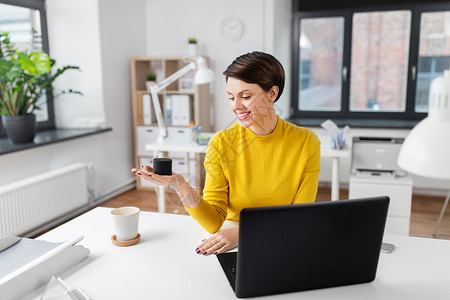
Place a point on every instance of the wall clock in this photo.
(232, 28)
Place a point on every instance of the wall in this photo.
(282, 49)
(73, 42)
(169, 30)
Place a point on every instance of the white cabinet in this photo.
(398, 189)
(179, 166)
(143, 182)
(145, 135)
(180, 134)
(149, 134)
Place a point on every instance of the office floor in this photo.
(424, 212)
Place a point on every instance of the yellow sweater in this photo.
(247, 170)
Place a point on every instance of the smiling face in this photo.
(252, 105)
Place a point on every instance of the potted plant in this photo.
(24, 78)
(151, 80)
(192, 46)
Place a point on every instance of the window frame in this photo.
(40, 6)
(410, 116)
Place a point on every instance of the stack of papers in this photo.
(338, 136)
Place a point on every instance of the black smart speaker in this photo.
(162, 166)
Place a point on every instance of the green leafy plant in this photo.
(192, 40)
(24, 77)
(151, 77)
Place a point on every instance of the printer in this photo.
(376, 155)
(375, 172)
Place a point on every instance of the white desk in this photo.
(163, 265)
(193, 147)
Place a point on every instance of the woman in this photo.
(260, 161)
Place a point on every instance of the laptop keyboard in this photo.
(232, 271)
(228, 262)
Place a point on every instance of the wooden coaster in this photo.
(126, 243)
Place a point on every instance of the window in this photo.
(364, 64)
(20, 19)
(429, 67)
(379, 61)
(305, 75)
(434, 54)
(321, 44)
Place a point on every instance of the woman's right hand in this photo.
(175, 180)
(187, 194)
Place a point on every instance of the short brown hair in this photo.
(258, 68)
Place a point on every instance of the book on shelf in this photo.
(168, 109)
(147, 109)
(181, 110)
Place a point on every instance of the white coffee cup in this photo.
(125, 222)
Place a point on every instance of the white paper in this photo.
(338, 136)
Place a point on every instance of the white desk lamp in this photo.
(202, 75)
(425, 151)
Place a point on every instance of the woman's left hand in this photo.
(219, 242)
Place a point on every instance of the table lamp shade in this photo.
(203, 74)
(426, 150)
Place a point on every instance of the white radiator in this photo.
(29, 204)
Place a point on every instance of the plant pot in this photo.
(21, 128)
(149, 84)
(192, 49)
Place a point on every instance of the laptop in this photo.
(309, 246)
